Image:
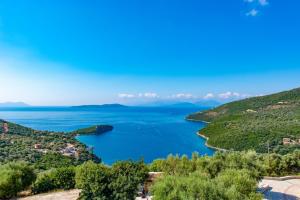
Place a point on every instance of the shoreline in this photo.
(206, 144)
(205, 137)
(195, 120)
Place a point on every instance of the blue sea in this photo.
(139, 132)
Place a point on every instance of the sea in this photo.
(146, 133)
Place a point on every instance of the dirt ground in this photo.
(64, 195)
(282, 190)
(278, 190)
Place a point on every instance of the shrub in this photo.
(64, 178)
(44, 183)
(94, 181)
(125, 178)
(191, 187)
(230, 184)
(119, 182)
(237, 184)
(61, 178)
(15, 177)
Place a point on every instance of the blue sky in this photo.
(90, 52)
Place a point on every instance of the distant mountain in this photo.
(168, 104)
(100, 106)
(13, 104)
(200, 103)
(208, 103)
(258, 123)
(183, 105)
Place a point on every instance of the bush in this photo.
(15, 177)
(125, 178)
(61, 178)
(237, 184)
(231, 184)
(192, 187)
(119, 182)
(44, 183)
(94, 181)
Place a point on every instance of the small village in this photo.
(289, 141)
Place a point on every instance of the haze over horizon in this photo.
(134, 52)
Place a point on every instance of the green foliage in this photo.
(18, 145)
(185, 188)
(15, 177)
(236, 184)
(94, 181)
(257, 164)
(226, 175)
(278, 165)
(43, 183)
(93, 130)
(125, 179)
(228, 185)
(54, 160)
(60, 178)
(254, 123)
(64, 178)
(120, 182)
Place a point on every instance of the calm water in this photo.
(147, 133)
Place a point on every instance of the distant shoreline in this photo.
(195, 120)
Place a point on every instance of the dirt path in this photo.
(282, 190)
(64, 195)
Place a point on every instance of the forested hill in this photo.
(254, 123)
(21, 143)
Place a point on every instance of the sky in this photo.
(76, 52)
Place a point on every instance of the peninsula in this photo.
(262, 123)
(26, 144)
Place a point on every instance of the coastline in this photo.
(195, 120)
(206, 143)
(205, 137)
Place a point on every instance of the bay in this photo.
(146, 133)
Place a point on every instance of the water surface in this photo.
(147, 133)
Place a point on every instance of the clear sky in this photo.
(73, 52)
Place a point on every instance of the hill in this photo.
(13, 104)
(208, 103)
(26, 144)
(255, 123)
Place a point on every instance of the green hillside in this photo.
(254, 123)
(26, 144)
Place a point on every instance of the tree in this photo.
(15, 177)
(64, 178)
(125, 179)
(94, 181)
(237, 184)
(196, 186)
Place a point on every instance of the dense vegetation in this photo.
(119, 182)
(226, 175)
(93, 130)
(15, 177)
(25, 144)
(254, 123)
